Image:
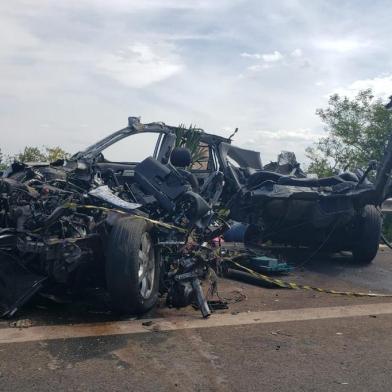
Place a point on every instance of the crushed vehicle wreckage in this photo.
(70, 222)
(337, 213)
(140, 229)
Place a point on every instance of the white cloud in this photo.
(303, 134)
(61, 64)
(15, 39)
(272, 57)
(267, 57)
(251, 55)
(269, 60)
(381, 87)
(341, 45)
(296, 53)
(258, 67)
(270, 143)
(123, 5)
(139, 66)
(266, 60)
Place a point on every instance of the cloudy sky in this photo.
(72, 71)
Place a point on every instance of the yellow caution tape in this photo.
(155, 222)
(159, 223)
(295, 286)
(265, 278)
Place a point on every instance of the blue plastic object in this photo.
(269, 264)
(236, 233)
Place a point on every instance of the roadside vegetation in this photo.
(357, 131)
(34, 154)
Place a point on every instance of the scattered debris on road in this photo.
(23, 323)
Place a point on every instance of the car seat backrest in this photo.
(181, 157)
(161, 181)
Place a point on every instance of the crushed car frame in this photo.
(84, 220)
(140, 229)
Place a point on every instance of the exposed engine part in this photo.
(185, 286)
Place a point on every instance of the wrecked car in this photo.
(139, 224)
(135, 228)
(279, 204)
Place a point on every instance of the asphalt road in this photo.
(275, 340)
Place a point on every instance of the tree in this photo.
(190, 138)
(30, 154)
(55, 153)
(3, 164)
(357, 132)
(319, 165)
(35, 154)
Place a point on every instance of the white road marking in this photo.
(32, 334)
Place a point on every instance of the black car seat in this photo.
(170, 189)
(181, 158)
(161, 181)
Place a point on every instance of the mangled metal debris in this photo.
(140, 230)
(79, 222)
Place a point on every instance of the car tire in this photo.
(368, 235)
(132, 267)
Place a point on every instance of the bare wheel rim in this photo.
(146, 266)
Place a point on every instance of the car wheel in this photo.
(368, 235)
(132, 267)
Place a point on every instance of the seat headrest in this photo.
(180, 157)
